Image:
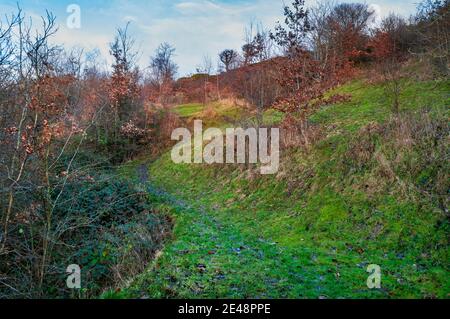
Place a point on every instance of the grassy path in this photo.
(312, 230)
(209, 256)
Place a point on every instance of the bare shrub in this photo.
(294, 134)
(411, 151)
(362, 150)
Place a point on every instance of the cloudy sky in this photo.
(195, 27)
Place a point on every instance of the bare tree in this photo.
(6, 43)
(347, 27)
(206, 69)
(93, 65)
(229, 58)
(122, 49)
(248, 49)
(40, 99)
(258, 44)
(432, 28)
(319, 35)
(354, 16)
(339, 34)
(162, 65)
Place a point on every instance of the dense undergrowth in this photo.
(101, 222)
(372, 190)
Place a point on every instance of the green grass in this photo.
(370, 103)
(311, 230)
(188, 110)
(218, 114)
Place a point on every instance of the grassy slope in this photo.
(312, 230)
(188, 110)
(215, 114)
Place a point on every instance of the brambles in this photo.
(52, 111)
(103, 224)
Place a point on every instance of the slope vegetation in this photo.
(372, 190)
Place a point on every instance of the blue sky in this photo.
(195, 27)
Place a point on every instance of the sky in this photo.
(196, 28)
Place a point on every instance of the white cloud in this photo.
(377, 13)
(194, 27)
(190, 7)
(404, 8)
(205, 28)
(82, 38)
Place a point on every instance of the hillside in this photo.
(371, 190)
(332, 118)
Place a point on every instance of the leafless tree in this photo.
(37, 129)
(162, 65)
(229, 58)
(122, 48)
(433, 33)
(93, 65)
(6, 43)
(205, 69)
(258, 45)
(319, 35)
